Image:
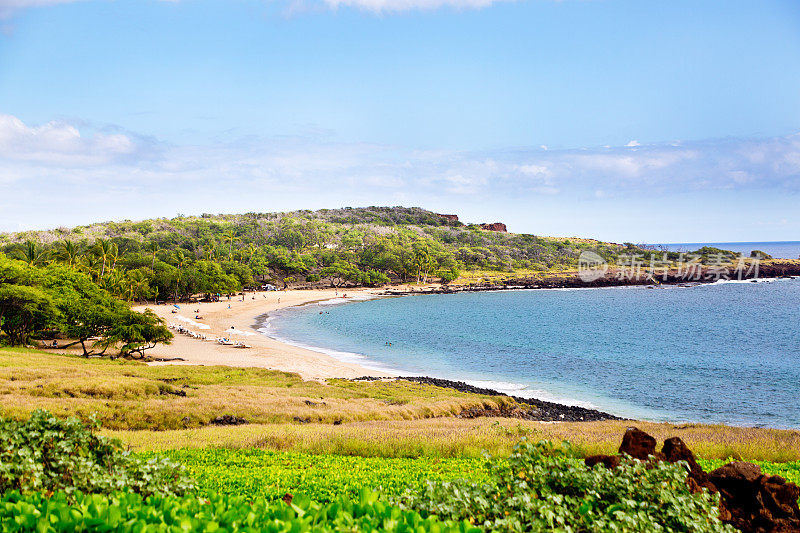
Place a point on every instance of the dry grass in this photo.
(130, 395)
(387, 419)
(453, 437)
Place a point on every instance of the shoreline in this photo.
(614, 278)
(247, 313)
(238, 324)
(274, 354)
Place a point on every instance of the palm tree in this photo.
(68, 253)
(180, 261)
(137, 285)
(230, 237)
(153, 248)
(250, 251)
(210, 253)
(32, 254)
(104, 250)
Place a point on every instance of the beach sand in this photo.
(264, 352)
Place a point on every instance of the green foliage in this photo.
(60, 298)
(709, 254)
(45, 453)
(23, 310)
(261, 473)
(123, 512)
(367, 246)
(137, 332)
(544, 488)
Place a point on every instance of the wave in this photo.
(523, 391)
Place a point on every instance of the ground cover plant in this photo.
(45, 453)
(789, 471)
(324, 478)
(540, 487)
(129, 512)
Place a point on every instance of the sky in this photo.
(640, 121)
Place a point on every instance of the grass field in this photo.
(453, 437)
(131, 395)
(170, 407)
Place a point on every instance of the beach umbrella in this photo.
(176, 306)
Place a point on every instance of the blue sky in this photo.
(622, 120)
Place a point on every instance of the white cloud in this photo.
(394, 6)
(633, 143)
(75, 165)
(59, 143)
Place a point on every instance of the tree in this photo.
(85, 309)
(230, 237)
(137, 284)
(32, 254)
(180, 263)
(152, 249)
(137, 332)
(339, 273)
(209, 277)
(106, 252)
(68, 253)
(290, 234)
(24, 310)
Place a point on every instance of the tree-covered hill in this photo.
(182, 256)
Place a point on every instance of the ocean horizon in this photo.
(777, 249)
(681, 354)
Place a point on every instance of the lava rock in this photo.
(755, 503)
(228, 420)
(609, 461)
(749, 500)
(638, 444)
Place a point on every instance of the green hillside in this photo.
(174, 258)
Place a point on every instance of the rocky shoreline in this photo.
(613, 278)
(539, 410)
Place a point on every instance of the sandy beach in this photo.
(264, 352)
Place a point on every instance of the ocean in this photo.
(718, 353)
(777, 249)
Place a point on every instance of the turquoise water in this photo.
(727, 352)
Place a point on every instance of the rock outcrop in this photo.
(749, 500)
(756, 503)
(495, 226)
(453, 218)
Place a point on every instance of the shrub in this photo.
(45, 453)
(758, 254)
(542, 488)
